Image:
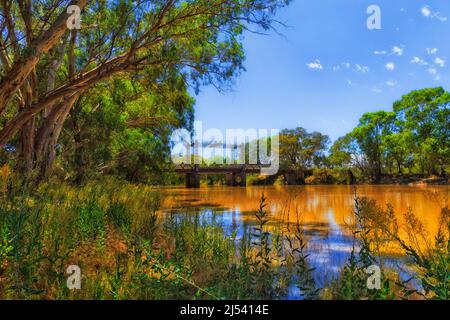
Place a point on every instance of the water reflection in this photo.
(324, 211)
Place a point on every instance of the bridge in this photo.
(236, 175)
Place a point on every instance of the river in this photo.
(325, 212)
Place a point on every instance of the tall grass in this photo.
(297, 256)
(367, 242)
(128, 249)
(429, 260)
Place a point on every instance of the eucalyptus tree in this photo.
(46, 69)
(424, 115)
(369, 134)
(302, 150)
(414, 136)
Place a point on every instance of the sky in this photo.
(327, 68)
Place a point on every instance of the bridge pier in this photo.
(236, 179)
(293, 178)
(192, 180)
(229, 179)
(242, 179)
(235, 175)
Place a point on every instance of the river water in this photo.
(325, 212)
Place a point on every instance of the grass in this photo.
(126, 249)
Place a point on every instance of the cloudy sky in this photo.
(327, 68)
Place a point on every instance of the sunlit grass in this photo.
(127, 249)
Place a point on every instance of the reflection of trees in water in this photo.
(329, 243)
(315, 201)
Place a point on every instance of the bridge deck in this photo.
(219, 169)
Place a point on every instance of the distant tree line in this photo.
(414, 138)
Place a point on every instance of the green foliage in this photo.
(32, 256)
(125, 130)
(369, 135)
(127, 251)
(5, 245)
(261, 265)
(342, 152)
(426, 114)
(131, 79)
(298, 256)
(91, 223)
(302, 150)
(414, 137)
(119, 217)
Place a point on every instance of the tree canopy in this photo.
(301, 150)
(154, 51)
(414, 136)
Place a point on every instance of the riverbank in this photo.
(338, 178)
(415, 180)
(125, 249)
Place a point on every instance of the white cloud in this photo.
(440, 62)
(397, 51)
(315, 65)
(391, 83)
(390, 66)
(432, 50)
(419, 61)
(432, 71)
(427, 12)
(343, 65)
(362, 69)
(377, 90)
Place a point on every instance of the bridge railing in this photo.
(185, 168)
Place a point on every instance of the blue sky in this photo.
(327, 68)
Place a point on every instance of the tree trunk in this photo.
(79, 153)
(399, 166)
(378, 168)
(49, 134)
(25, 64)
(27, 131)
(351, 177)
(80, 161)
(27, 154)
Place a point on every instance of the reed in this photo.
(128, 249)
